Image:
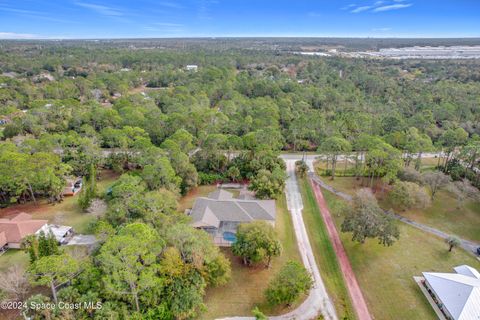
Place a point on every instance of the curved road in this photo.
(318, 301)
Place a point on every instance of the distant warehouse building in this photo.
(454, 296)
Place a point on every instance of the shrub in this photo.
(411, 175)
(209, 178)
(292, 281)
(408, 195)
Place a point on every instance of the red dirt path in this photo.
(358, 301)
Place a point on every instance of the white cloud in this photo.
(381, 29)
(101, 9)
(392, 7)
(13, 35)
(351, 5)
(378, 6)
(361, 9)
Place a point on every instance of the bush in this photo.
(292, 281)
(209, 178)
(411, 175)
(408, 195)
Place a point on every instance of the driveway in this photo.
(318, 301)
(82, 240)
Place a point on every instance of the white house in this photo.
(455, 295)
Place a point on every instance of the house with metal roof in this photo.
(220, 213)
(454, 296)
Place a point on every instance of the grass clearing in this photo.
(325, 254)
(443, 214)
(385, 273)
(246, 288)
(349, 166)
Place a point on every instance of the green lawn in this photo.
(16, 258)
(442, 214)
(426, 164)
(246, 288)
(325, 254)
(385, 273)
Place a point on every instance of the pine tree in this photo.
(89, 189)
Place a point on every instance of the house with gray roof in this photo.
(219, 214)
(453, 296)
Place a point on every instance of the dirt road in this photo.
(358, 301)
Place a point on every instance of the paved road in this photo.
(318, 301)
(469, 246)
(358, 301)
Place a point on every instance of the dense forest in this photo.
(73, 108)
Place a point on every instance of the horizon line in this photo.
(236, 37)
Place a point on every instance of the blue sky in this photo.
(217, 18)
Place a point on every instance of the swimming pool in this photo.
(230, 236)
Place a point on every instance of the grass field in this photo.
(349, 166)
(325, 254)
(442, 214)
(446, 216)
(246, 288)
(385, 273)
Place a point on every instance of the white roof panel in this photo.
(459, 293)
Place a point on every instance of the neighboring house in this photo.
(220, 213)
(3, 242)
(15, 228)
(454, 296)
(192, 67)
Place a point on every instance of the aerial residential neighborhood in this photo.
(239, 160)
